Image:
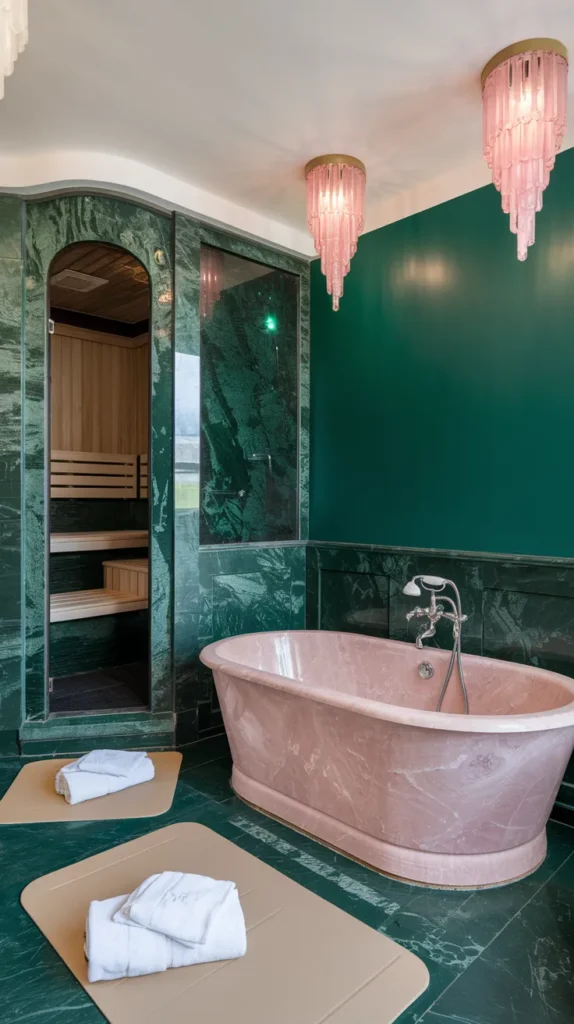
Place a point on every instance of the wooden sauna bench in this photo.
(125, 590)
(99, 540)
(88, 604)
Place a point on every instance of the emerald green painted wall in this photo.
(442, 407)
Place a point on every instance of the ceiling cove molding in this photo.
(32, 173)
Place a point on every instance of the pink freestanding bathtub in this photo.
(336, 734)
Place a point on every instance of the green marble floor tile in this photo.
(526, 975)
(479, 946)
(35, 985)
(204, 751)
(210, 779)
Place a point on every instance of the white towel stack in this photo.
(170, 920)
(102, 772)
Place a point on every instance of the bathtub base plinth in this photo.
(459, 871)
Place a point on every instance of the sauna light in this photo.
(524, 90)
(335, 214)
(13, 35)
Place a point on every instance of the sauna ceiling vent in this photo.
(75, 281)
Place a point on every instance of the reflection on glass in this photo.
(249, 329)
(187, 408)
(211, 276)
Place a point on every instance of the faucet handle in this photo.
(454, 618)
(415, 613)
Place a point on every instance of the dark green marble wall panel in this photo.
(347, 586)
(245, 589)
(442, 388)
(9, 745)
(251, 589)
(186, 517)
(355, 602)
(84, 645)
(533, 629)
(195, 699)
(260, 253)
(519, 609)
(75, 734)
(249, 430)
(11, 284)
(53, 224)
(186, 624)
(10, 687)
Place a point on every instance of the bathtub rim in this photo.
(538, 721)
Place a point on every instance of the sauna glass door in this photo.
(98, 481)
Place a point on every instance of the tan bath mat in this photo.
(32, 796)
(307, 962)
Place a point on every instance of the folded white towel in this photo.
(127, 951)
(182, 906)
(77, 785)
(111, 762)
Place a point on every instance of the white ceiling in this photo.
(224, 102)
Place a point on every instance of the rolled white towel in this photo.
(182, 906)
(126, 951)
(111, 762)
(77, 785)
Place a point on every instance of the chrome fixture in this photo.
(436, 585)
(262, 457)
(426, 671)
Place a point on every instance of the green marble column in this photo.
(53, 224)
(10, 466)
(186, 518)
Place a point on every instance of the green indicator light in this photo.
(271, 323)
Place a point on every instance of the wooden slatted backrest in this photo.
(143, 476)
(92, 475)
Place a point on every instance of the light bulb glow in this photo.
(524, 122)
(13, 35)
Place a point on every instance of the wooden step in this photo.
(89, 604)
(100, 540)
(129, 576)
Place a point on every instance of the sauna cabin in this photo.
(99, 424)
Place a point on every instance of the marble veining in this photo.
(494, 956)
(11, 275)
(51, 225)
(519, 607)
(218, 594)
(337, 733)
(249, 410)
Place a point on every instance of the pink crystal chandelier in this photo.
(524, 120)
(335, 214)
(210, 280)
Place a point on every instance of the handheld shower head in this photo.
(433, 581)
(412, 589)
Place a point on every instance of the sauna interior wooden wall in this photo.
(100, 391)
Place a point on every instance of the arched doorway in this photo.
(99, 433)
